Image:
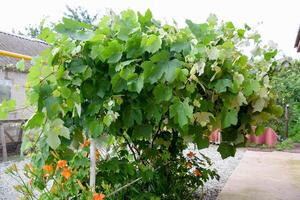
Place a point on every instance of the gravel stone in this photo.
(7, 183)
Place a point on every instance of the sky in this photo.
(276, 20)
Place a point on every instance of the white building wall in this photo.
(18, 80)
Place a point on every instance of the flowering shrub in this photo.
(142, 91)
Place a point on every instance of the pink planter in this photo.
(269, 137)
(215, 137)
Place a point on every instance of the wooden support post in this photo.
(92, 165)
(3, 142)
(286, 116)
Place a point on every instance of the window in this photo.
(5, 89)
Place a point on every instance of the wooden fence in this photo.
(11, 136)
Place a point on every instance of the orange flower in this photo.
(66, 173)
(191, 154)
(189, 165)
(61, 164)
(48, 168)
(99, 196)
(98, 155)
(86, 143)
(197, 172)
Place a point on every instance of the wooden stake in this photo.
(286, 116)
(3, 142)
(92, 165)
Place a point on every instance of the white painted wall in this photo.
(18, 93)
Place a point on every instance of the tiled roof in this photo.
(297, 43)
(19, 44)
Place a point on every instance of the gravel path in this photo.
(211, 188)
(7, 183)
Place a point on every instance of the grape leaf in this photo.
(222, 84)
(182, 112)
(151, 43)
(162, 93)
(169, 69)
(229, 117)
(226, 150)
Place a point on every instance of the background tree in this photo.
(286, 82)
(78, 13)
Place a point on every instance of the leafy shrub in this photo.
(142, 91)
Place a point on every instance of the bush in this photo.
(142, 91)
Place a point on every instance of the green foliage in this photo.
(285, 145)
(286, 82)
(144, 91)
(6, 106)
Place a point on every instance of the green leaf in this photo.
(241, 32)
(259, 105)
(112, 52)
(70, 26)
(121, 65)
(142, 132)
(94, 127)
(146, 20)
(135, 84)
(269, 55)
(133, 46)
(153, 112)
(151, 43)
(127, 25)
(250, 86)
(131, 116)
(201, 141)
(152, 72)
(52, 106)
(53, 141)
(169, 68)
(6, 106)
(203, 117)
(182, 112)
(21, 65)
(118, 83)
(36, 120)
(226, 150)
(181, 45)
(212, 20)
(259, 130)
(77, 66)
(55, 129)
(107, 120)
(162, 93)
(222, 84)
(229, 117)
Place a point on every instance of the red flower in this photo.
(99, 196)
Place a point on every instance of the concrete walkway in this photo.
(264, 176)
